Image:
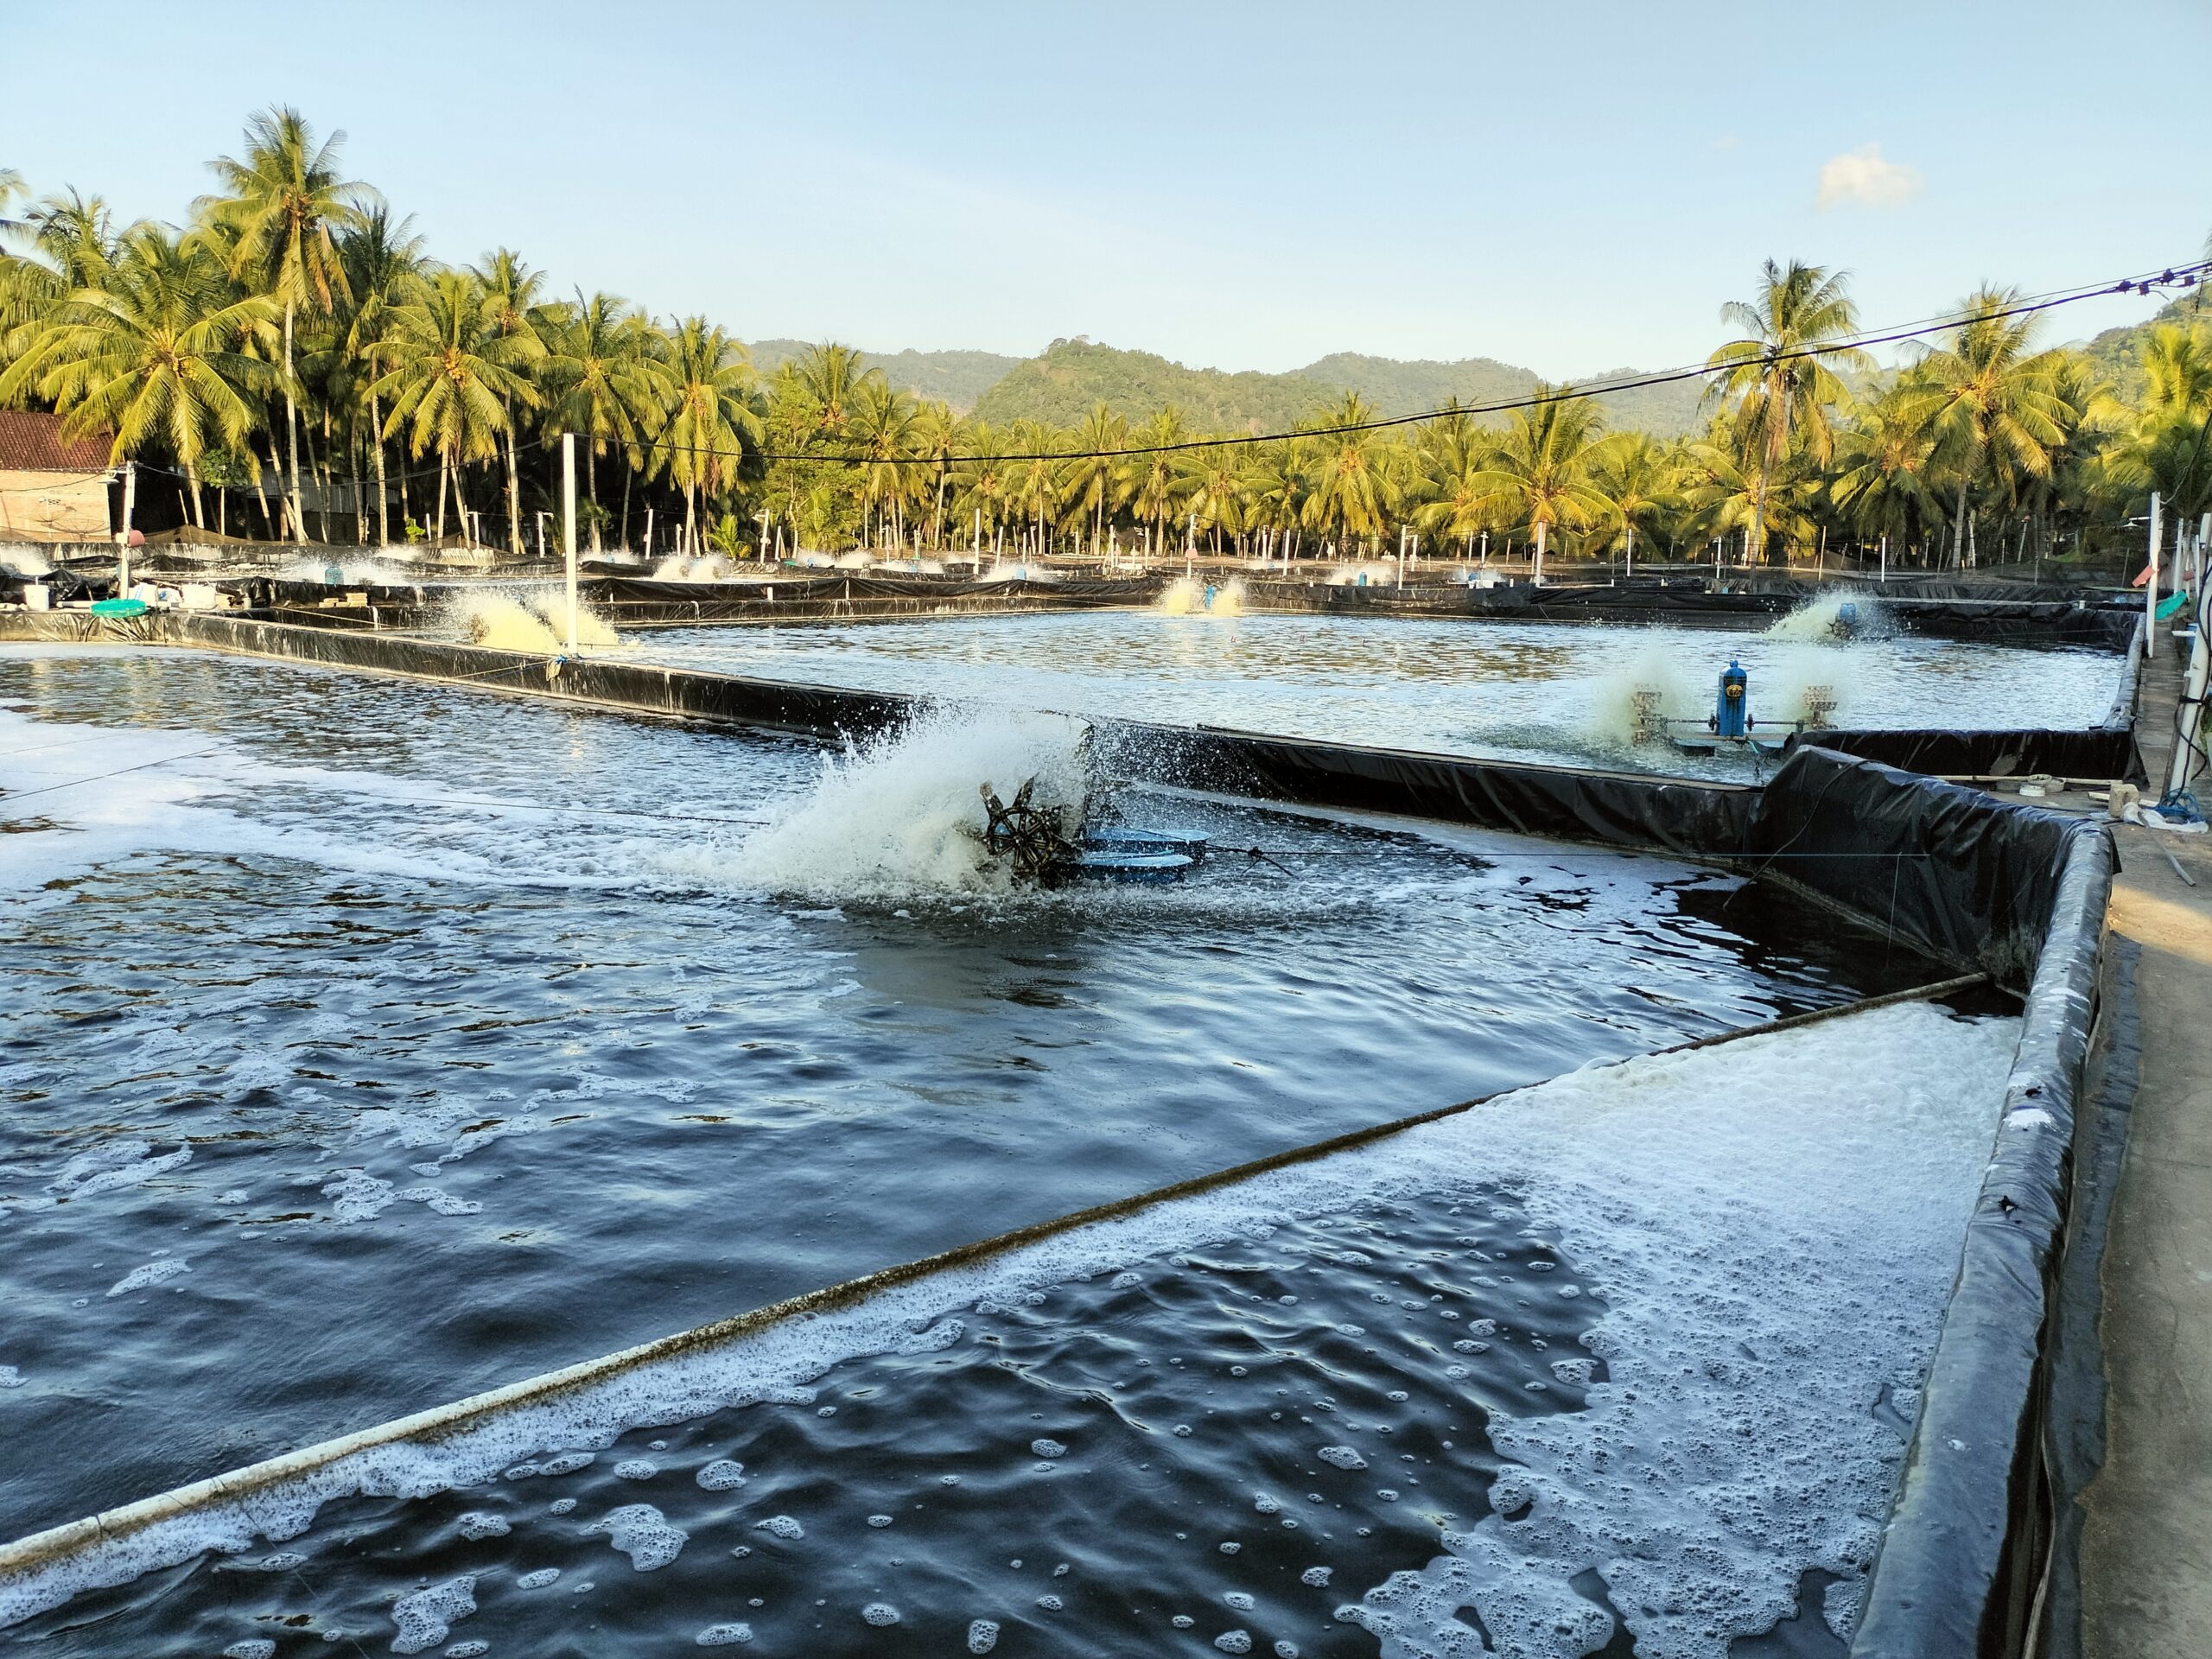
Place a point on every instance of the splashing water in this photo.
(1014, 570)
(352, 572)
(532, 620)
(1806, 678)
(1825, 619)
(1188, 596)
(898, 816)
(680, 568)
(1378, 573)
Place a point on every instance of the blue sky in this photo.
(1570, 187)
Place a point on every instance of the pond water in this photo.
(368, 1044)
(1525, 692)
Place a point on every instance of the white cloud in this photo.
(1862, 175)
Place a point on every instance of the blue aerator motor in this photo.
(1731, 709)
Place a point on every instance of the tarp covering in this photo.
(1566, 802)
(2100, 753)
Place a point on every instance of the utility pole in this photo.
(569, 525)
(2150, 582)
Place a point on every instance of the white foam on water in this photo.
(154, 1273)
(427, 1617)
(1770, 1228)
(900, 815)
(642, 1533)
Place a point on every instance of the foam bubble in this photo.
(154, 1273)
(1341, 1457)
(477, 1525)
(539, 1580)
(428, 1616)
(259, 1647)
(721, 1475)
(880, 1614)
(643, 1533)
(781, 1526)
(724, 1635)
(982, 1635)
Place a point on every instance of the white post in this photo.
(2150, 580)
(1539, 569)
(569, 525)
(1629, 574)
(123, 541)
(976, 551)
(1485, 547)
(1885, 559)
(649, 532)
(764, 538)
(540, 517)
(1190, 545)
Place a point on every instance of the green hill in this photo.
(954, 378)
(1061, 386)
(1406, 388)
(2118, 352)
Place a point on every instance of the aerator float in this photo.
(1730, 725)
(1047, 845)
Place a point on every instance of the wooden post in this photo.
(122, 540)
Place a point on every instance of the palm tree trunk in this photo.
(514, 493)
(438, 522)
(1539, 569)
(360, 507)
(375, 437)
(591, 491)
(629, 476)
(1959, 526)
(292, 431)
(191, 479)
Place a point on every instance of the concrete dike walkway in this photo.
(2146, 1546)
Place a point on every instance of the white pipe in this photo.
(569, 525)
(2150, 582)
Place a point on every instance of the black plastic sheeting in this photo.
(618, 596)
(1951, 610)
(1564, 803)
(2100, 752)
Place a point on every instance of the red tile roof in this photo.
(32, 443)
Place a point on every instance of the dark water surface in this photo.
(326, 1094)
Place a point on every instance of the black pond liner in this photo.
(2014, 890)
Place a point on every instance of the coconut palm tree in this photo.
(1354, 478)
(277, 221)
(1276, 477)
(1094, 484)
(711, 415)
(1156, 487)
(1639, 477)
(67, 242)
(451, 378)
(605, 385)
(1216, 493)
(1883, 465)
(982, 478)
(1988, 403)
(1539, 471)
(153, 356)
(513, 293)
(882, 429)
(936, 439)
(830, 376)
(1781, 384)
(384, 266)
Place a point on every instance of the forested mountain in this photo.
(1397, 387)
(1063, 385)
(956, 378)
